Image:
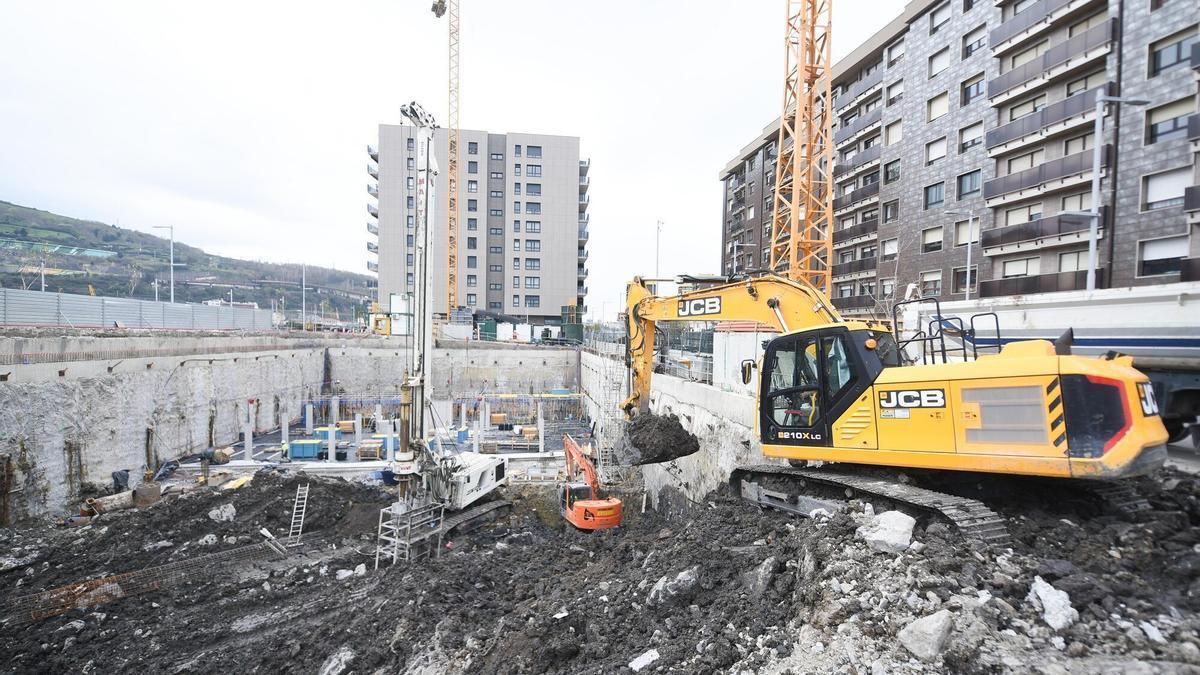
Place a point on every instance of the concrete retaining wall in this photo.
(532, 370)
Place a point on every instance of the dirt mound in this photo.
(653, 439)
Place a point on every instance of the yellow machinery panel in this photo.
(856, 427)
(915, 416)
(1010, 416)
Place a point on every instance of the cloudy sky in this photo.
(244, 124)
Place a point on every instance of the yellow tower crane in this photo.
(802, 220)
(449, 8)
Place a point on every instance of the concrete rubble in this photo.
(724, 587)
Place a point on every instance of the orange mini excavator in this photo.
(582, 504)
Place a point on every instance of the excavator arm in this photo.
(774, 301)
(576, 460)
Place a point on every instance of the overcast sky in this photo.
(244, 124)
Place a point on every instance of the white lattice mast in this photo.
(802, 219)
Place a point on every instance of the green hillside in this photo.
(124, 263)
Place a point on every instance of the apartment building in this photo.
(522, 222)
(967, 124)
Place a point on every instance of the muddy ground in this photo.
(726, 588)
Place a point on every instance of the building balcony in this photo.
(854, 232)
(855, 302)
(853, 197)
(584, 182)
(584, 165)
(863, 267)
(1066, 228)
(1191, 204)
(373, 228)
(583, 255)
(1039, 283)
(1049, 176)
(1032, 20)
(1060, 59)
(858, 89)
(1195, 57)
(371, 209)
(858, 126)
(1055, 118)
(373, 190)
(581, 272)
(1193, 131)
(584, 199)
(1189, 269)
(373, 152)
(372, 247)
(373, 170)
(372, 266)
(860, 160)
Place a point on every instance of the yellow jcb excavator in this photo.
(837, 390)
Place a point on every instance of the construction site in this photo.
(730, 475)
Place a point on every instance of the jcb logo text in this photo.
(699, 306)
(913, 398)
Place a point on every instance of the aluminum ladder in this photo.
(299, 508)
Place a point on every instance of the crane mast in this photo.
(802, 218)
(449, 8)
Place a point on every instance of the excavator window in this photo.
(794, 399)
(839, 369)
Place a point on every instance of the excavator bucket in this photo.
(654, 439)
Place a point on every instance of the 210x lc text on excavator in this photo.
(836, 390)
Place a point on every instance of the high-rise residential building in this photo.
(522, 222)
(967, 111)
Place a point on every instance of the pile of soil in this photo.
(654, 439)
(724, 588)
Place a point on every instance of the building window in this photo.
(495, 305)
(931, 283)
(472, 148)
(891, 171)
(408, 240)
(472, 205)
(472, 186)
(410, 182)
(517, 170)
(471, 299)
(496, 212)
(938, 18)
(409, 202)
(495, 268)
(845, 290)
(935, 150)
(1072, 261)
(969, 183)
(1077, 202)
(1025, 161)
(533, 226)
(472, 280)
(1161, 256)
(516, 301)
(939, 62)
(410, 143)
(894, 53)
(516, 282)
(960, 278)
(496, 194)
(533, 264)
(496, 231)
(931, 240)
(1027, 107)
(534, 152)
(1091, 22)
(893, 132)
(409, 220)
(495, 249)
(1165, 190)
(890, 248)
(533, 171)
(516, 207)
(1077, 144)
(408, 278)
(1169, 121)
(411, 164)
(960, 232)
(866, 288)
(887, 287)
(1027, 55)
(497, 156)
(533, 245)
(516, 226)
(496, 175)
(868, 251)
(533, 282)
(846, 256)
(970, 136)
(516, 244)
(972, 89)
(1172, 51)
(1023, 267)
(517, 189)
(533, 189)
(472, 223)
(937, 106)
(895, 93)
(409, 260)
(1023, 214)
(472, 167)
(934, 195)
(533, 207)
(891, 211)
(533, 301)
(472, 243)
(517, 150)
(974, 41)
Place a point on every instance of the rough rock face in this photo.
(926, 636)
(890, 531)
(653, 439)
(1056, 605)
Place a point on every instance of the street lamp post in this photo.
(172, 230)
(657, 234)
(1097, 159)
(972, 221)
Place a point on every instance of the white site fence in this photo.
(66, 310)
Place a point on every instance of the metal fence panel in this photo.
(26, 308)
(176, 316)
(206, 316)
(126, 312)
(36, 308)
(79, 311)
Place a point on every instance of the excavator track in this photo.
(1119, 497)
(761, 484)
(465, 521)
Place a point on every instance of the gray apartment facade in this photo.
(966, 123)
(522, 222)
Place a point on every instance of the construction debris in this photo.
(653, 439)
